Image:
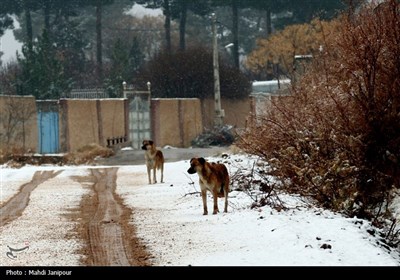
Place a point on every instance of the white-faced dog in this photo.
(154, 160)
(213, 177)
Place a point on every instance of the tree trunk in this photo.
(167, 26)
(268, 22)
(235, 33)
(99, 41)
(29, 32)
(47, 10)
(182, 26)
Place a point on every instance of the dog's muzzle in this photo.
(191, 170)
(144, 147)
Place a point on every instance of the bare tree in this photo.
(14, 122)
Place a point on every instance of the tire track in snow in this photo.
(105, 224)
(14, 207)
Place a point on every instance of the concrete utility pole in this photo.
(219, 113)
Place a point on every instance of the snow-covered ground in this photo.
(44, 225)
(168, 218)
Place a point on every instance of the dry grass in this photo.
(88, 153)
(15, 157)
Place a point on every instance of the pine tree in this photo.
(136, 57)
(118, 69)
(42, 73)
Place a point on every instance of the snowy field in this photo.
(168, 217)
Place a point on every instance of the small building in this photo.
(263, 91)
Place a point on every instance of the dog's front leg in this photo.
(204, 197)
(226, 202)
(149, 173)
(154, 175)
(215, 198)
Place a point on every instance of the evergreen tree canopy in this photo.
(42, 72)
(190, 74)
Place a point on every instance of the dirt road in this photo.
(112, 241)
(134, 157)
(109, 238)
(102, 222)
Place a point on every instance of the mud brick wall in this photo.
(18, 123)
(113, 119)
(237, 112)
(88, 121)
(176, 122)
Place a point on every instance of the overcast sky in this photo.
(9, 45)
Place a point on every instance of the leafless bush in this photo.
(392, 234)
(87, 154)
(337, 137)
(255, 182)
(8, 74)
(17, 157)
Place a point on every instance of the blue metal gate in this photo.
(48, 130)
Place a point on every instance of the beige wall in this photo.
(18, 123)
(192, 124)
(165, 122)
(175, 122)
(82, 123)
(112, 118)
(236, 111)
(87, 121)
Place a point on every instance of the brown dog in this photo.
(213, 177)
(154, 160)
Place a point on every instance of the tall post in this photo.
(124, 89)
(218, 119)
(149, 93)
(151, 136)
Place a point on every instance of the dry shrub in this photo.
(88, 153)
(11, 153)
(17, 157)
(337, 137)
(3, 156)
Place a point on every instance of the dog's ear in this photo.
(151, 142)
(202, 161)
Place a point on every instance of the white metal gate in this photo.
(139, 115)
